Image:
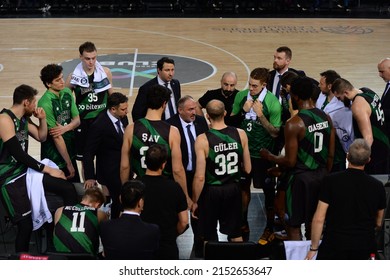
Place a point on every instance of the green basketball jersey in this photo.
(380, 145)
(313, 148)
(77, 230)
(223, 164)
(145, 134)
(10, 168)
(258, 136)
(59, 109)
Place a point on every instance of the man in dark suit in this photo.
(384, 73)
(165, 74)
(187, 122)
(105, 141)
(282, 59)
(128, 237)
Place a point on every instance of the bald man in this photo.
(222, 154)
(384, 73)
(226, 93)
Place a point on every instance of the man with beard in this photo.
(341, 117)
(260, 114)
(21, 174)
(309, 149)
(226, 93)
(282, 59)
(368, 122)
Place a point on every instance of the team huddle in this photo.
(296, 138)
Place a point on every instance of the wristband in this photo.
(313, 250)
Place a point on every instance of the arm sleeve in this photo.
(14, 148)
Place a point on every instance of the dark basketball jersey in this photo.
(223, 164)
(380, 145)
(77, 230)
(313, 148)
(145, 134)
(90, 103)
(9, 167)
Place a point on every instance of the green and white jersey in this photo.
(258, 136)
(59, 109)
(313, 148)
(145, 134)
(77, 230)
(10, 168)
(224, 160)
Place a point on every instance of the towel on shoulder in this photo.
(80, 78)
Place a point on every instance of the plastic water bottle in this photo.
(372, 256)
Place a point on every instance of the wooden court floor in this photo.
(352, 47)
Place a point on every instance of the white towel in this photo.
(39, 211)
(297, 250)
(80, 78)
(251, 114)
